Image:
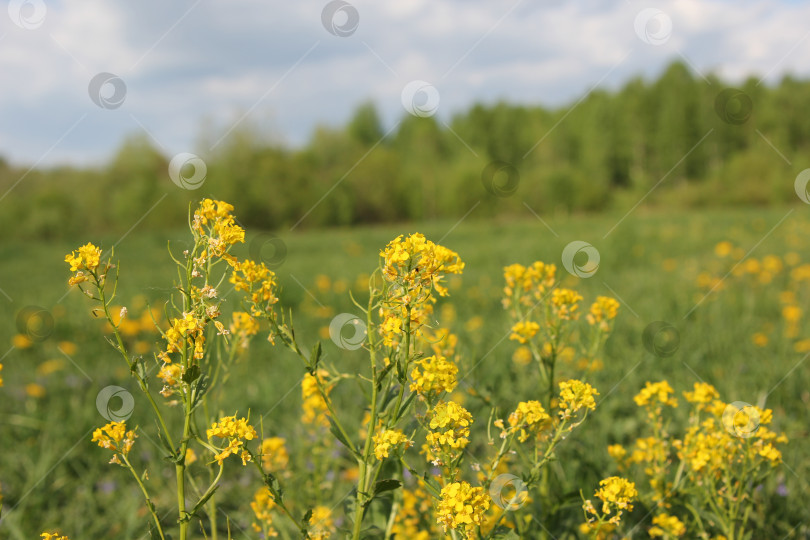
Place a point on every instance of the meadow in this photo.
(712, 296)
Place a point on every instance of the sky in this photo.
(80, 76)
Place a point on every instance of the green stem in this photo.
(362, 478)
(149, 504)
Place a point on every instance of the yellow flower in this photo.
(602, 310)
(416, 265)
(235, 430)
(114, 436)
(314, 406)
(450, 426)
(522, 356)
(262, 506)
(387, 440)
(522, 332)
(652, 392)
(666, 525)
(1, 378)
(87, 258)
(21, 341)
(320, 523)
(576, 395)
(723, 249)
(462, 506)
(415, 520)
(565, 304)
(35, 390)
(434, 374)
(759, 339)
(258, 281)
(703, 393)
(617, 452)
(274, 454)
(527, 285)
(242, 327)
(529, 418)
(616, 493)
(53, 536)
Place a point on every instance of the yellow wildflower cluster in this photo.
(604, 309)
(187, 330)
(523, 331)
(236, 430)
(320, 523)
(258, 281)
(114, 436)
(723, 445)
(242, 328)
(86, 260)
(617, 495)
(529, 419)
(565, 303)
(262, 506)
(389, 440)
(665, 525)
(576, 395)
(416, 265)
(52, 536)
(449, 426)
(659, 393)
(213, 220)
(171, 374)
(433, 375)
(462, 506)
(527, 285)
(314, 406)
(414, 520)
(275, 456)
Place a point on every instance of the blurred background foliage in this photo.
(611, 150)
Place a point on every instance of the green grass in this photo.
(52, 476)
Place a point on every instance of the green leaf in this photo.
(432, 485)
(315, 357)
(405, 407)
(504, 533)
(305, 519)
(388, 484)
(191, 374)
(338, 435)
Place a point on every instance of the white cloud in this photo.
(186, 61)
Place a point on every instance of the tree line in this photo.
(697, 140)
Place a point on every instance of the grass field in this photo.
(727, 312)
